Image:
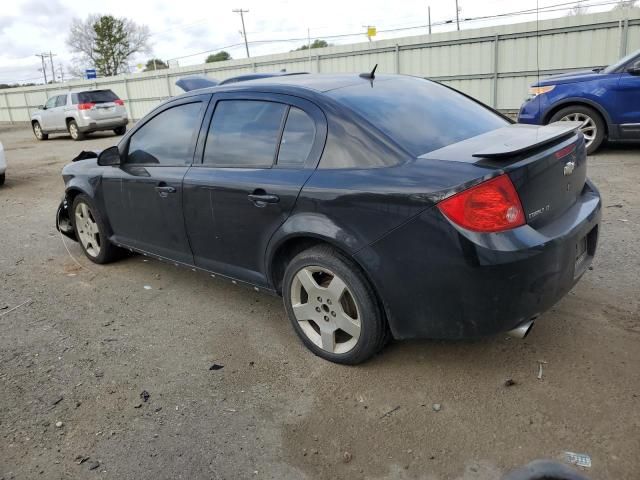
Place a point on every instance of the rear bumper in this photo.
(438, 281)
(63, 222)
(103, 125)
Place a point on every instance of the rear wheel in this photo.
(37, 131)
(592, 128)
(332, 306)
(74, 131)
(120, 130)
(2, 178)
(91, 231)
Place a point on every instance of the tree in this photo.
(578, 9)
(155, 64)
(105, 42)
(624, 4)
(218, 57)
(315, 44)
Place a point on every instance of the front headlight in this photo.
(535, 91)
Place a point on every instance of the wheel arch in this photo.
(583, 102)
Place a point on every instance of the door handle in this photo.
(260, 198)
(163, 189)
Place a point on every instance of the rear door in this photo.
(257, 152)
(628, 101)
(143, 197)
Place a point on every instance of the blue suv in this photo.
(606, 101)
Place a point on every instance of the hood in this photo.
(571, 77)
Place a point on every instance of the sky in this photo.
(181, 30)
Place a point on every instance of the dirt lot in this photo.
(91, 339)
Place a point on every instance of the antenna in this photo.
(370, 75)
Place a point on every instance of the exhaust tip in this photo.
(522, 330)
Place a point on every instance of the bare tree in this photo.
(577, 9)
(106, 43)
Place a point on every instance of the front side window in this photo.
(168, 138)
(297, 139)
(61, 101)
(244, 133)
(51, 102)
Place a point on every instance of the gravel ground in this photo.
(76, 357)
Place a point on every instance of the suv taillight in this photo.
(85, 106)
(492, 206)
(119, 102)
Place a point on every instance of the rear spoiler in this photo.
(518, 138)
(195, 82)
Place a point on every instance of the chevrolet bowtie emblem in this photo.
(569, 167)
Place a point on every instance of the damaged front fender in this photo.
(63, 221)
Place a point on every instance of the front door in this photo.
(143, 197)
(258, 152)
(628, 99)
(47, 115)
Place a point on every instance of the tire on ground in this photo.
(590, 112)
(374, 330)
(108, 251)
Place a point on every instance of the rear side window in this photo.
(418, 114)
(168, 138)
(244, 133)
(95, 96)
(297, 139)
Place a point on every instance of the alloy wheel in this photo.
(87, 229)
(325, 309)
(588, 127)
(73, 130)
(37, 130)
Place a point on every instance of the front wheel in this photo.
(332, 306)
(91, 231)
(74, 131)
(592, 127)
(37, 131)
(2, 178)
(120, 131)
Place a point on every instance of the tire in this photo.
(120, 130)
(594, 126)
(2, 178)
(318, 314)
(102, 251)
(74, 131)
(37, 131)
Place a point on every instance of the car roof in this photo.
(315, 82)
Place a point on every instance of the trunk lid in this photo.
(547, 164)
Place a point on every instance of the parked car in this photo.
(606, 101)
(3, 165)
(79, 113)
(377, 206)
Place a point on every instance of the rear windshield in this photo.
(418, 114)
(94, 96)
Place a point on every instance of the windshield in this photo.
(418, 114)
(622, 61)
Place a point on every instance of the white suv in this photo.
(80, 112)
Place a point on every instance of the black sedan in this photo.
(378, 207)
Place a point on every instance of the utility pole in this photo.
(457, 16)
(53, 71)
(61, 73)
(244, 31)
(44, 69)
(429, 14)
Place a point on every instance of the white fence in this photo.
(494, 64)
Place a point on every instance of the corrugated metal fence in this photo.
(494, 64)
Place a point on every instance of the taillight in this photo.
(85, 106)
(118, 102)
(491, 206)
(563, 152)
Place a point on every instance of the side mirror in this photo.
(109, 157)
(634, 69)
(41, 107)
